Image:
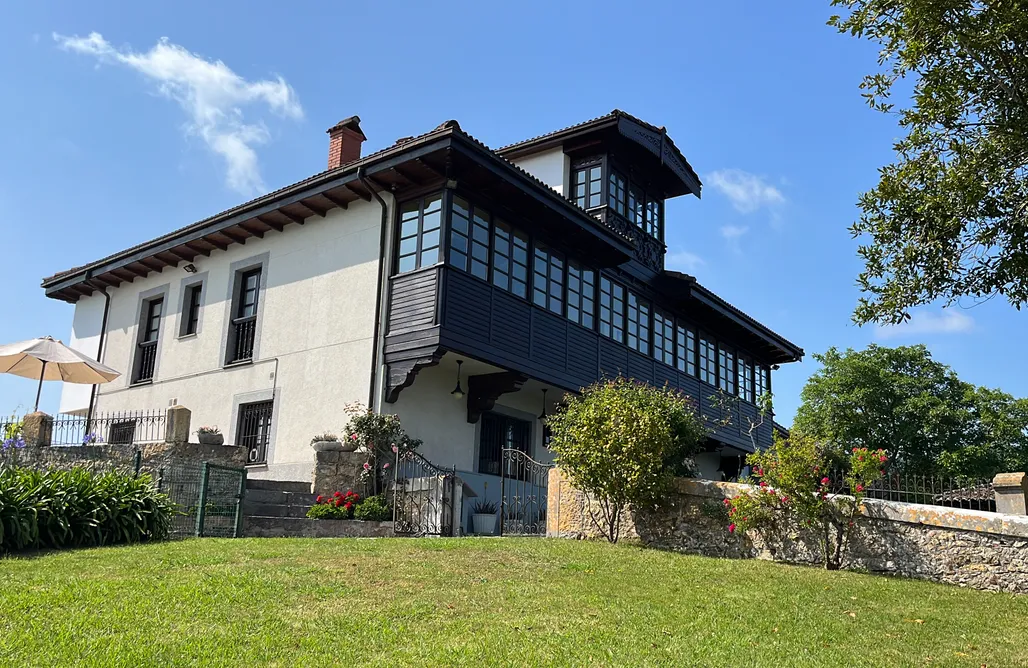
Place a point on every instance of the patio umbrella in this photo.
(46, 359)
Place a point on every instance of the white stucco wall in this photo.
(315, 328)
(552, 167)
(85, 337)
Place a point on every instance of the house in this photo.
(463, 288)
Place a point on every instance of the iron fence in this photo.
(207, 498)
(117, 428)
(951, 492)
(523, 490)
(147, 360)
(423, 496)
(244, 333)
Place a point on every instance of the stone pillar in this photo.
(177, 425)
(337, 471)
(1010, 490)
(36, 429)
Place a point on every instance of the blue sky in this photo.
(104, 147)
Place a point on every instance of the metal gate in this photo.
(423, 496)
(523, 485)
(207, 498)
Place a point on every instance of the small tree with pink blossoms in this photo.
(795, 486)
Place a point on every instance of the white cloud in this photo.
(921, 323)
(733, 234)
(211, 94)
(685, 261)
(747, 192)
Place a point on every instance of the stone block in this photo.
(1010, 490)
(177, 425)
(36, 429)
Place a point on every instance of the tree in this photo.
(795, 487)
(621, 443)
(949, 218)
(916, 409)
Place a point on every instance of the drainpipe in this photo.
(100, 347)
(380, 289)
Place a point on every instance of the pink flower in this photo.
(763, 484)
(727, 502)
(395, 449)
(367, 466)
(731, 528)
(785, 499)
(386, 465)
(825, 481)
(860, 488)
(353, 437)
(882, 458)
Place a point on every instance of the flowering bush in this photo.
(11, 436)
(339, 506)
(382, 436)
(795, 485)
(621, 442)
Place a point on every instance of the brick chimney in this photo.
(344, 141)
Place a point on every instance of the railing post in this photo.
(237, 525)
(201, 510)
(1010, 490)
(137, 461)
(176, 425)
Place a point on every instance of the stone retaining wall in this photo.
(298, 527)
(154, 455)
(964, 547)
(336, 471)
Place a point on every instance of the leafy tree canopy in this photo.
(916, 409)
(949, 218)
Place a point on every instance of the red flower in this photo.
(825, 481)
(319, 499)
(339, 502)
(855, 450)
(727, 502)
(348, 505)
(731, 528)
(353, 437)
(763, 484)
(785, 499)
(882, 458)
(860, 488)
(337, 495)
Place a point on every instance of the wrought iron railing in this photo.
(523, 490)
(147, 361)
(952, 492)
(243, 336)
(422, 496)
(116, 428)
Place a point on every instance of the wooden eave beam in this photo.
(426, 165)
(341, 203)
(364, 196)
(198, 249)
(214, 243)
(252, 232)
(154, 263)
(238, 238)
(292, 216)
(317, 211)
(135, 272)
(182, 257)
(278, 227)
(407, 177)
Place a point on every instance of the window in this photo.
(708, 360)
(460, 232)
(726, 375)
(762, 381)
(510, 259)
(480, 243)
(686, 357)
(663, 338)
(652, 218)
(612, 310)
(548, 285)
(745, 379)
(638, 324)
(150, 328)
(636, 203)
(254, 431)
(420, 221)
(617, 193)
(243, 332)
(581, 294)
(499, 433)
(191, 309)
(587, 184)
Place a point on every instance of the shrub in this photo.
(621, 443)
(373, 509)
(483, 507)
(794, 486)
(339, 506)
(327, 436)
(79, 507)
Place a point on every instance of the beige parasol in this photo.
(46, 359)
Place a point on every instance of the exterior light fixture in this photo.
(542, 416)
(458, 392)
(190, 268)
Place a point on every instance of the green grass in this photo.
(323, 602)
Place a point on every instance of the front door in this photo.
(501, 432)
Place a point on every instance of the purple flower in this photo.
(13, 442)
(90, 438)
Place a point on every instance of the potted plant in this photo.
(349, 444)
(210, 436)
(483, 517)
(323, 442)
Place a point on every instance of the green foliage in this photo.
(325, 437)
(483, 507)
(794, 484)
(383, 437)
(916, 409)
(373, 509)
(78, 507)
(339, 506)
(947, 219)
(621, 442)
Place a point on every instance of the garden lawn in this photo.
(321, 602)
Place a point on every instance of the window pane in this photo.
(430, 239)
(431, 221)
(407, 264)
(429, 257)
(408, 246)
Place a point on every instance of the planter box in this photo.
(211, 439)
(483, 524)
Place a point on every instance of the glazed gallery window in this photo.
(638, 324)
(420, 221)
(612, 310)
(469, 238)
(548, 282)
(617, 193)
(745, 379)
(762, 380)
(663, 338)
(652, 221)
(708, 360)
(686, 357)
(510, 259)
(587, 186)
(726, 364)
(581, 294)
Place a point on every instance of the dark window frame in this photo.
(641, 323)
(663, 337)
(585, 168)
(145, 365)
(548, 282)
(242, 337)
(614, 322)
(706, 359)
(260, 416)
(426, 222)
(685, 348)
(192, 302)
(515, 244)
(580, 301)
(745, 377)
(726, 369)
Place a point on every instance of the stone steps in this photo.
(276, 499)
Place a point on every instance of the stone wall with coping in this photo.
(154, 455)
(956, 546)
(337, 471)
